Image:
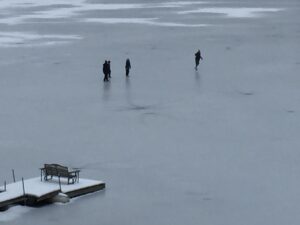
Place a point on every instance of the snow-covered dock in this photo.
(36, 191)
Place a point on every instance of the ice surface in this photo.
(13, 213)
(234, 12)
(142, 21)
(26, 39)
(72, 8)
(219, 146)
(85, 3)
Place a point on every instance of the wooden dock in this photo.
(36, 191)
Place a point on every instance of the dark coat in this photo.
(198, 56)
(128, 66)
(106, 68)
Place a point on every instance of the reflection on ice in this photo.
(14, 39)
(233, 12)
(106, 91)
(143, 21)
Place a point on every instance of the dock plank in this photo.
(37, 190)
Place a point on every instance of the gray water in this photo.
(219, 146)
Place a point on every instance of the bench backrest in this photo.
(56, 170)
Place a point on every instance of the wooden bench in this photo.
(55, 170)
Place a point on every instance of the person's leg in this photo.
(197, 64)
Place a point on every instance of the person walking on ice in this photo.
(127, 67)
(197, 59)
(105, 71)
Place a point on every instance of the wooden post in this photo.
(23, 186)
(59, 183)
(13, 174)
(25, 202)
(5, 185)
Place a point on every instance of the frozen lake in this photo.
(217, 147)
